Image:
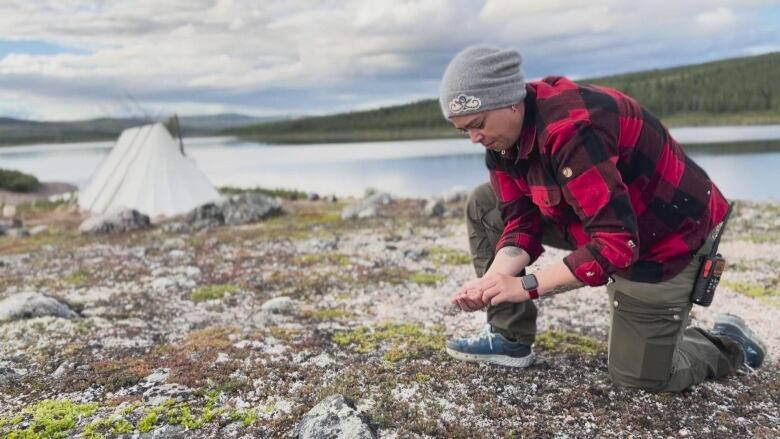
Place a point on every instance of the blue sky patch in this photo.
(36, 47)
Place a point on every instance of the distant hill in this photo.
(15, 131)
(733, 91)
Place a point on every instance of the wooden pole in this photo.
(178, 131)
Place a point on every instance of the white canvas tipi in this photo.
(146, 171)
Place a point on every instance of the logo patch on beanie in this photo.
(465, 103)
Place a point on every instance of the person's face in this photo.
(496, 129)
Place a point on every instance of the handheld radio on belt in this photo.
(712, 266)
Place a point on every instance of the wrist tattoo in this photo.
(564, 288)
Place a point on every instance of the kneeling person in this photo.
(586, 168)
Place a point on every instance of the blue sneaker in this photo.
(491, 347)
(735, 328)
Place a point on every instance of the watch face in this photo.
(529, 282)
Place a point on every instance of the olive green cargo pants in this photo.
(649, 345)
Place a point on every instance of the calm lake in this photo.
(408, 168)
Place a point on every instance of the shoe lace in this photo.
(484, 333)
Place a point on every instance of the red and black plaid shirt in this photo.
(605, 171)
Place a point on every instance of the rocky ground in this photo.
(239, 331)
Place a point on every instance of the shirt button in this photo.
(676, 316)
(615, 303)
(631, 243)
(567, 172)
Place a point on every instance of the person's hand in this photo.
(500, 288)
(469, 298)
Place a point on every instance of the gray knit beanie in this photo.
(481, 78)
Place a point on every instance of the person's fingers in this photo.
(501, 297)
(491, 292)
(472, 305)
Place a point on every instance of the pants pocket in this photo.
(643, 340)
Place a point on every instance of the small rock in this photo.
(415, 254)
(158, 376)
(231, 430)
(165, 432)
(162, 283)
(334, 417)
(192, 271)
(39, 230)
(323, 360)
(9, 211)
(29, 304)
(177, 254)
(159, 394)
(434, 208)
(175, 227)
(119, 220)
(7, 375)
(173, 243)
(63, 369)
(279, 305)
(367, 208)
(17, 232)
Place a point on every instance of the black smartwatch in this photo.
(531, 285)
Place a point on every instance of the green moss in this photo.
(180, 414)
(96, 428)
(447, 256)
(766, 293)
(422, 378)
(148, 422)
(424, 278)
(329, 314)
(246, 417)
(212, 292)
(51, 419)
(399, 341)
(78, 278)
(562, 341)
(321, 259)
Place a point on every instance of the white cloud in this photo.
(721, 18)
(312, 56)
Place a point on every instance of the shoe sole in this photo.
(501, 360)
(746, 336)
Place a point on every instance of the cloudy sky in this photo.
(72, 59)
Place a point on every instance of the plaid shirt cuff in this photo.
(584, 267)
(527, 242)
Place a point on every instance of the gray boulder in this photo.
(279, 305)
(29, 304)
(39, 230)
(250, 208)
(115, 221)
(434, 207)
(236, 210)
(333, 417)
(18, 232)
(456, 194)
(368, 207)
